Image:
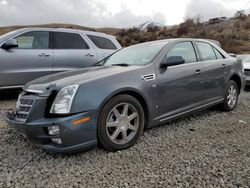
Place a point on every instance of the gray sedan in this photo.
(136, 88)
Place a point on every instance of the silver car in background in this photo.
(246, 64)
(30, 53)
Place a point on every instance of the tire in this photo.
(120, 123)
(231, 97)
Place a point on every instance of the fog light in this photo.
(53, 130)
(56, 140)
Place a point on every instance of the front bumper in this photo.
(74, 138)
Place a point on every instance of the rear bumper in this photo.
(74, 138)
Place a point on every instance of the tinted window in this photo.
(206, 51)
(102, 42)
(218, 54)
(184, 49)
(68, 41)
(244, 58)
(33, 40)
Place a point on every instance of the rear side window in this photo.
(218, 54)
(102, 42)
(33, 40)
(68, 41)
(184, 49)
(206, 51)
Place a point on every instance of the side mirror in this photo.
(10, 43)
(172, 61)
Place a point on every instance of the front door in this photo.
(30, 60)
(181, 87)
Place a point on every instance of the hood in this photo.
(60, 80)
(246, 65)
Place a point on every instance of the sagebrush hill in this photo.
(233, 34)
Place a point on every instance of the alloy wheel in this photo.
(122, 123)
(232, 96)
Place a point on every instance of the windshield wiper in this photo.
(121, 64)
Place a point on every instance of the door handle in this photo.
(223, 66)
(89, 55)
(44, 55)
(198, 72)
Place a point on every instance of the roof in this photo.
(64, 30)
(183, 39)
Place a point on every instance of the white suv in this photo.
(29, 53)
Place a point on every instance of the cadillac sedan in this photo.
(136, 88)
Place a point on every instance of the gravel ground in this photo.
(208, 149)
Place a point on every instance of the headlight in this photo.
(63, 101)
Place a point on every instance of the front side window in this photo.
(140, 54)
(185, 50)
(63, 40)
(206, 51)
(102, 42)
(33, 40)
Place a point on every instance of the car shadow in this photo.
(9, 94)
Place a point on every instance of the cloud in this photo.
(207, 9)
(112, 13)
(125, 17)
(93, 13)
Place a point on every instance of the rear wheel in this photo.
(121, 123)
(231, 97)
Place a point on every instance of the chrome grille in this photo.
(23, 106)
(247, 72)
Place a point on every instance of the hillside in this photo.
(233, 34)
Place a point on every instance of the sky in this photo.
(114, 13)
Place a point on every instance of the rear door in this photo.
(104, 46)
(71, 51)
(181, 87)
(30, 60)
(215, 70)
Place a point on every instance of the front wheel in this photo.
(231, 97)
(121, 123)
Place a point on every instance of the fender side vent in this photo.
(148, 77)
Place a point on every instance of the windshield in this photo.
(244, 58)
(140, 54)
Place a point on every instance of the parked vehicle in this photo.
(215, 42)
(30, 53)
(246, 64)
(138, 87)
